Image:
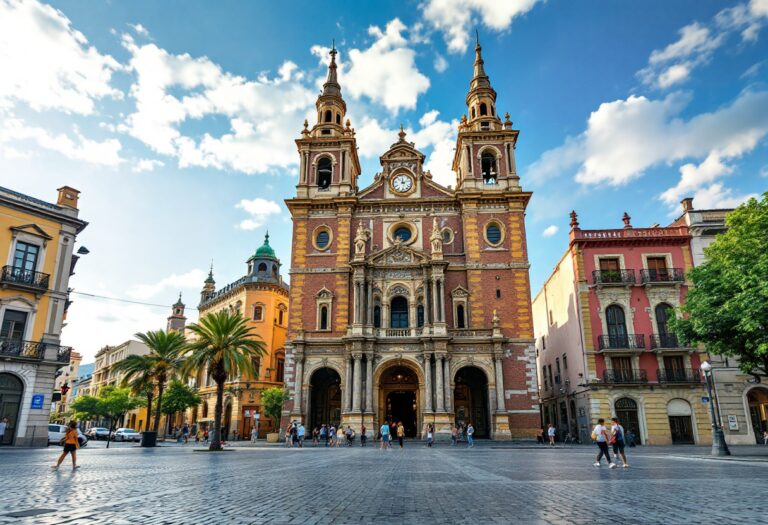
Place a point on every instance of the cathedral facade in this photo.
(410, 301)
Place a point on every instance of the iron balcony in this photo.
(663, 276)
(20, 277)
(625, 376)
(18, 348)
(679, 375)
(621, 342)
(613, 277)
(664, 341)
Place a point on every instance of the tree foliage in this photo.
(111, 403)
(178, 398)
(727, 307)
(273, 399)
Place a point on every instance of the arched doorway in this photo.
(470, 398)
(757, 400)
(680, 422)
(627, 413)
(324, 398)
(398, 398)
(11, 392)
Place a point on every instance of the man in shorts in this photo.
(617, 438)
(384, 430)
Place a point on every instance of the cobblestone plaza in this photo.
(488, 484)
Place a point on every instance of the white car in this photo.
(126, 434)
(57, 432)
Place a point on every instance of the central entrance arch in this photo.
(324, 398)
(471, 400)
(399, 398)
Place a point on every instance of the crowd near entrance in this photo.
(398, 388)
(11, 391)
(471, 400)
(325, 398)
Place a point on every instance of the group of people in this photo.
(331, 436)
(615, 437)
(389, 431)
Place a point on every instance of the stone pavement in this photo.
(172, 485)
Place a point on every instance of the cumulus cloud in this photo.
(455, 18)
(441, 64)
(191, 279)
(47, 64)
(718, 196)
(385, 72)
(140, 29)
(260, 210)
(549, 231)
(105, 153)
(143, 165)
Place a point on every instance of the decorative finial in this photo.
(266, 238)
(574, 220)
(477, 39)
(179, 296)
(401, 134)
(507, 121)
(348, 124)
(626, 218)
(333, 51)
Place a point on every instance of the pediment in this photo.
(399, 254)
(32, 229)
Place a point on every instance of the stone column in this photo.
(447, 385)
(298, 380)
(439, 391)
(369, 317)
(347, 386)
(500, 405)
(358, 384)
(369, 383)
(435, 304)
(428, 383)
(441, 288)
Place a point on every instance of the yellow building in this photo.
(262, 297)
(37, 240)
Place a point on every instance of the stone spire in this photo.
(331, 107)
(481, 97)
(332, 86)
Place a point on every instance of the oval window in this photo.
(403, 233)
(493, 233)
(322, 239)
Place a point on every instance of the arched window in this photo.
(398, 310)
(617, 326)
(488, 168)
(279, 369)
(323, 317)
(420, 315)
(460, 322)
(663, 314)
(328, 116)
(473, 112)
(274, 270)
(483, 109)
(280, 315)
(338, 119)
(324, 171)
(377, 316)
(263, 267)
(258, 313)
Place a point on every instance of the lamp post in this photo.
(719, 446)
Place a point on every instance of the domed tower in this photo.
(177, 321)
(209, 286)
(329, 164)
(264, 266)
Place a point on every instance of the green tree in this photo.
(726, 310)
(273, 399)
(178, 398)
(165, 360)
(224, 345)
(111, 403)
(139, 376)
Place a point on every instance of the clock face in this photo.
(402, 183)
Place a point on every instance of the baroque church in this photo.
(410, 301)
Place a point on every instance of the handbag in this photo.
(62, 440)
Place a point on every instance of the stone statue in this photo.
(361, 238)
(436, 238)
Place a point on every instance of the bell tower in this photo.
(177, 321)
(329, 165)
(485, 147)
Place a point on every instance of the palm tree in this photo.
(165, 358)
(139, 377)
(225, 345)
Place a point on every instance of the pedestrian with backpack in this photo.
(600, 436)
(618, 441)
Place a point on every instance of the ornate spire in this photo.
(331, 86)
(210, 280)
(179, 303)
(479, 78)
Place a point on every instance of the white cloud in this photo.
(717, 196)
(48, 64)
(105, 153)
(171, 284)
(625, 137)
(386, 72)
(549, 231)
(693, 177)
(260, 210)
(140, 29)
(454, 18)
(764, 171)
(441, 64)
(147, 165)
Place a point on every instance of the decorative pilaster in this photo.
(500, 404)
(298, 382)
(348, 386)
(357, 382)
(439, 392)
(447, 383)
(428, 382)
(369, 383)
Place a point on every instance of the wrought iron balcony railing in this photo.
(613, 277)
(679, 375)
(22, 349)
(63, 354)
(626, 376)
(662, 276)
(661, 341)
(621, 342)
(27, 278)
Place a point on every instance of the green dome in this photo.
(265, 250)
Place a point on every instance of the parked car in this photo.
(97, 433)
(57, 432)
(126, 434)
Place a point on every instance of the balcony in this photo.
(621, 342)
(613, 277)
(63, 354)
(663, 276)
(679, 375)
(665, 342)
(625, 376)
(21, 278)
(17, 348)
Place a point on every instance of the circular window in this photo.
(447, 235)
(403, 233)
(494, 234)
(322, 238)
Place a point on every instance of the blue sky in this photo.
(176, 120)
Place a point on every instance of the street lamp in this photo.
(719, 446)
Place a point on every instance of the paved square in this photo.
(488, 484)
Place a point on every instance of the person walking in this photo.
(301, 432)
(617, 440)
(400, 433)
(324, 434)
(332, 435)
(470, 433)
(454, 435)
(205, 435)
(254, 434)
(71, 444)
(339, 436)
(185, 433)
(288, 435)
(363, 436)
(430, 435)
(600, 435)
(551, 432)
(3, 427)
(384, 431)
